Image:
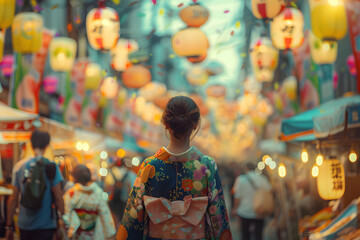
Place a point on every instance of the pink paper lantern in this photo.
(50, 84)
(6, 65)
(351, 65)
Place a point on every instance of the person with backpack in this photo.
(87, 215)
(38, 181)
(177, 193)
(253, 201)
(118, 184)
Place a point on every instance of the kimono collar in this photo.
(191, 154)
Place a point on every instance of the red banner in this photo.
(353, 16)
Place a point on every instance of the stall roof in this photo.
(15, 120)
(322, 121)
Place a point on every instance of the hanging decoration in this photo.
(328, 19)
(191, 43)
(194, 15)
(50, 84)
(287, 29)
(351, 64)
(136, 76)
(27, 32)
(331, 180)
(92, 76)
(267, 9)
(62, 53)
(2, 42)
(102, 27)
(197, 76)
(120, 54)
(152, 90)
(322, 52)
(7, 13)
(216, 91)
(109, 88)
(264, 59)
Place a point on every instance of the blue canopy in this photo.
(322, 121)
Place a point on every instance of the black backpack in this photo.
(35, 183)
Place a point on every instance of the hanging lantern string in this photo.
(101, 3)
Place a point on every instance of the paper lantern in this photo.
(191, 43)
(62, 53)
(92, 76)
(194, 15)
(290, 88)
(2, 40)
(322, 52)
(197, 76)
(152, 90)
(267, 9)
(6, 65)
(120, 54)
(287, 29)
(7, 13)
(264, 59)
(103, 28)
(27, 32)
(136, 76)
(331, 180)
(50, 84)
(109, 88)
(328, 19)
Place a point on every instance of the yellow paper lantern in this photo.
(322, 52)
(264, 59)
(328, 19)
(267, 9)
(287, 29)
(2, 40)
(136, 76)
(331, 180)
(92, 76)
(191, 43)
(194, 15)
(27, 32)
(109, 88)
(120, 54)
(7, 12)
(103, 28)
(197, 76)
(62, 53)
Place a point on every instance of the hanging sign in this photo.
(331, 180)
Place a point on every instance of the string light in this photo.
(282, 170)
(319, 159)
(304, 156)
(315, 171)
(353, 157)
(85, 147)
(261, 166)
(103, 155)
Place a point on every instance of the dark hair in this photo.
(40, 140)
(81, 174)
(180, 115)
(251, 166)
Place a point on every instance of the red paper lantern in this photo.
(267, 9)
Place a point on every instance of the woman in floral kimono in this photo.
(87, 215)
(177, 193)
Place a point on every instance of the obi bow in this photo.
(191, 210)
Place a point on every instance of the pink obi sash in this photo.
(177, 219)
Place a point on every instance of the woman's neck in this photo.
(178, 145)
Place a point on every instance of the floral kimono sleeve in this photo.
(107, 222)
(217, 221)
(133, 223)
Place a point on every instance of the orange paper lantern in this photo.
(136, 76)
(191, 43)
(194, 15)
(204, 110)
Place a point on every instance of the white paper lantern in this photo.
(109, 88)
(120, 54)
(322, 52)
(62, 53)
(287, 29)
(103, 28)
(264, 59)
(331, 180)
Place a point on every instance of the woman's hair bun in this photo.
(181, 115)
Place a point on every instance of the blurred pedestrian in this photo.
(244, 191)
(87, 215)
(39, 183)
(177, 193)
